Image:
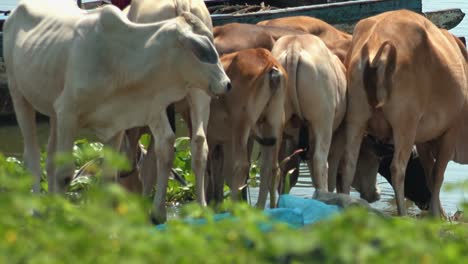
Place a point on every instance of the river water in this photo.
(455, 173)
(11, 142)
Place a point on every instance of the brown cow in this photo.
(253, 107)
(337, 41)
(408, 84)
(235, 37)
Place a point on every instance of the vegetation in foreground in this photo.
(109, 225)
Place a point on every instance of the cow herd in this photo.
(398, 79)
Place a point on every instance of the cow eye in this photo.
(203, 49)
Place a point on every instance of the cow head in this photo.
(199, 62)
(365, 179)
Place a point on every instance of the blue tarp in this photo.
(292, 210)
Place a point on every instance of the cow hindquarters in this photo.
(164, 151)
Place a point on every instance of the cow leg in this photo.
(114, 143)
(446, 146)
(334, 156)
(148, 169)
(354, 134)
(427, 161)
(164, 150)
(404, 140)
(319, 140)
(51, 148)
(66, 131)
(199, 104)
(215, 178)
(355, 122)
(129, 179)
(268, 175)
(269, 171)
(282, 154)
(26, 118)
(288, 146)
(130, 147)
(219, 176)
(240, 166)
(209, 181)
(225, 171)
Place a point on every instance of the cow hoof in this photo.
(155, 220)
(422, 206)
(372, 197)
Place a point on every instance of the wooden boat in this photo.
(343, 14)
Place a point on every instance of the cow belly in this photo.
(433, 126)
(110, 116)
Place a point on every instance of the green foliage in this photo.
(287, 181)
(84, 151)
(253, 172)
(110, 225)
(182, 166)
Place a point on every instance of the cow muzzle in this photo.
(221, 88)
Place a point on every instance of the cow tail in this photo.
(293, 60)
(378, 73)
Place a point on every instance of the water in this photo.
(11, 142)
(455, 173)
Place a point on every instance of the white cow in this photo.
(99, 70)
(146, 11)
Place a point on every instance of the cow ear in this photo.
(275, 78)
(199, 45)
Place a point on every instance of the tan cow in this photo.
(407, 84)
(99, 70)
(145, 11)
(316, 96)
(337, 41)
(254, 107)
(234, 37)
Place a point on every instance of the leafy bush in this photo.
(109, 225)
